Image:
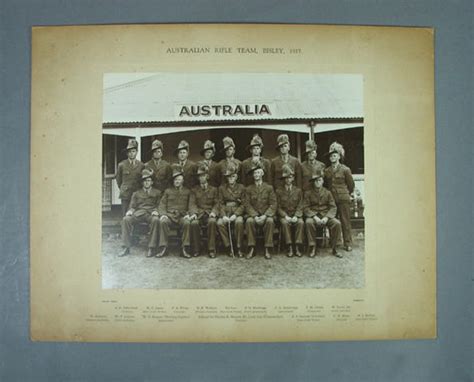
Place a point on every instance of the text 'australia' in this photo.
(224, 110)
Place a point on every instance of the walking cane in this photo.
(230, 239)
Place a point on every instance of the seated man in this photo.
(231, 205)
(320, 211)
(177, 210)
(143, 208)
(260, 205)
(290, 211)
(206, 207)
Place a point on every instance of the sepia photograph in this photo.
(232, 181)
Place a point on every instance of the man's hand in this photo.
(260, 220)
(317, 220)
(193, 217)
(155, 213)
(324, 220)
(226, 219)
(288, 219)
(129, 213)
(294, 219)
(164, 218)
(233, 217)
(212, 215)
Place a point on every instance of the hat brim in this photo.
(253, 169)
(255, 144)
(204, 150)
(281, 144)
(226, 147)
(156, 148)
(287, 176)
(333, 152)
(181, 148)
(178, 174)
(147, 177)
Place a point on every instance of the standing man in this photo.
(161, 168)
(255, 147)
(129, 174)
(188, 167)
(283, 146)
(232, 208)
(208, 152)
(206, 210)
(320, 211)
(341, 184)
(260, 205)
(229, 150)
(143, 208)
(177, 210)
(311, 165)
(290, 211)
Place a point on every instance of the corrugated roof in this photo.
(158, 97)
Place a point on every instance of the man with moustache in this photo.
(143, 208)
(208, 151)
(232, 208)
(290, 211)
(188, 167)
(311, 165)
(161, 168)
(260, 206)
(177, 209)
(206, 211)
(129, 174)
(229, 150)
(255, 147)
(283, 146)
(320, 211)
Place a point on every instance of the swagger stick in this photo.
(230, 239)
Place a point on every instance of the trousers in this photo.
(237, 231)
(165, 227)
(125, 204)
(127, 227)
(344, 215)
(251, 227)
(286, 227)
(334, 226)
(211, 224)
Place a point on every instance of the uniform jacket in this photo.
(307, 170)
(260, 200)
(276, 171)
(129, 177)
(319, 202)
(189, 171)
(231, 200)
(161, 174)
(290, 203)
(145, 203)
(175, 203)
(214, 173)
(339, 182)
(206, 200)
(247, 179)
(223, 165)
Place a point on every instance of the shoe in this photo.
(230, 252)
(348, 248)
(185, 253)
(239, 253)
(335, 253)
(313, 252)
(267, 255)
(161, 253)
(196, 254)
(298, 252)
(150, 252)
(212, 254)
(251, 253)
(125, 252)
(290, 251)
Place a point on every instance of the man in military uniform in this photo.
(161, 168)
(339, 181)
(231, 204)
(260, 206)
(320, 211)
(143, 208)
(229, 150)
(311, 165)
(283, 146)
(188, 167)
(129, 174)
(255, 147)
(177, 210)
(208, 152)
(206, 210)
(290, 211)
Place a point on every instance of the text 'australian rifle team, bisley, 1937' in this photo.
(236, 200)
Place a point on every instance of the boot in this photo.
(185, 253)
(161, 253)
(125, 252)
(267, 255)
(290, 251)
(251, 253)
(298, 252)
(335, 253)
(150, 252)
(312, 251)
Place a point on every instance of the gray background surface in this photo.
(449, 358)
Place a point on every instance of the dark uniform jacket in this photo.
(247, 179)
(290, 203)
(231, 200)
(319, 202)
(145, 202)
(175, 203)
(339, 182)
(308, 169)
(206, 200)
(161, 173)
(223, 165)
(129, 177)
(276, 171)
(189, 171)
(260, 200)
(214, 173)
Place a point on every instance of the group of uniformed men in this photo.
(232, 197)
